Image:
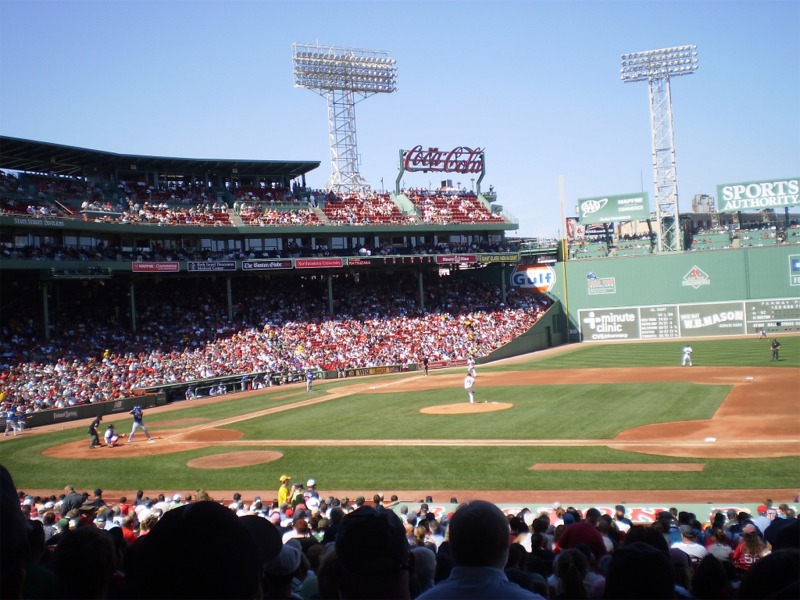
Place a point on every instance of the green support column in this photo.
(421, 290)
(503, 275)
(330, 294)
(230, 297)
(133, 307)
(46, 310)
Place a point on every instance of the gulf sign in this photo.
(541, 278)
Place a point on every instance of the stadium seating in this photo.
(445, 207)
(373, 210)
(711, 240)
(184, 335)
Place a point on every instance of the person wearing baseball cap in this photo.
(284, 491)
(622, 522)
(762, 521)
(311, 492)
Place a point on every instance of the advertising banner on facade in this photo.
(717, 318)
(541, 278)
(614, 209)
(212, 265)
(456, 259)
(318, 263)
(266, 264)
(672, 321)
(155, 267)
(607, 324)
(758, 195)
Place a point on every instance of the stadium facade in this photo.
(70, 224)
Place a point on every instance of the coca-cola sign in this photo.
(458, 160)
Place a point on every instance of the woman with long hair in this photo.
(719, 544)
(751, 549)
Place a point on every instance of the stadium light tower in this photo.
(344, 76)
(656, 67)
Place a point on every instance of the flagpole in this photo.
(564, 251)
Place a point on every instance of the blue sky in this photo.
(534, 83)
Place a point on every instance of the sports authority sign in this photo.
(541, 278)
(756, 195)
(608, 209)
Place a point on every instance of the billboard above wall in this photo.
(614, 209)
(758, 195)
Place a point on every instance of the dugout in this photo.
(85, 411)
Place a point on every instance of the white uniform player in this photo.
(471, 366)
(687, 356)
(469, 383)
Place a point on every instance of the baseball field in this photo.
(586, 422)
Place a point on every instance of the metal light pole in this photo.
(343, 76)
(656, 67)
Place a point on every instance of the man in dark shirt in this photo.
(94, 431)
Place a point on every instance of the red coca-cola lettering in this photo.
(458, 160)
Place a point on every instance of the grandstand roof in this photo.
(43, 157)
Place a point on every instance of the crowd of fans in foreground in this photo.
(183, 333)
(79, 546)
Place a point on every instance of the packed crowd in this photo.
(257, 216)
(300, 544)
(445, 206)
(378, 208)
(181, 204)
(184, 334)
(259, 196)
(161, 213)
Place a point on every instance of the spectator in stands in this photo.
(479, 542)
(719, 544)
(85, 561)
(372, 556)
(750, 550)
(774, 576)
(689, 544)
(175, 559)
(639, 570)
(711, 580)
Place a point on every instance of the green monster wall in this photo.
(687, 294)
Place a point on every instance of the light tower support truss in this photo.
(657, 67)
(344, 76)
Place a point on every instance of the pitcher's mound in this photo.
(234, 459)
(465, 408)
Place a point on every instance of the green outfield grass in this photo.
(543, 412)
(549, 412)
(738, 352)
